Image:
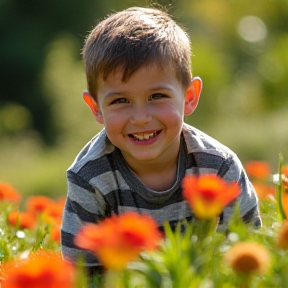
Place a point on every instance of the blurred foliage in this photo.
(239, 50)
(26, 30)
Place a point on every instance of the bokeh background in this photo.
(240, 50)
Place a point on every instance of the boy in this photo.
(140, 87)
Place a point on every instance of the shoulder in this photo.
(211, 156)
(94, 151)
(94, 168)
(198, 141)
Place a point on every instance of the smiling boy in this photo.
(140, 88)
(143, 117)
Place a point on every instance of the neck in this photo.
(157, 175)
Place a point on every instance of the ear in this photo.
(89, 100)
(192, 95)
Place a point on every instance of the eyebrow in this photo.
(115, 93)
(161, 88)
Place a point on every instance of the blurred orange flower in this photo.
(54, 210)
(55, 233)
(118, 240)
(284, 195)
(258, 169)
(61, 201)
(248, 257)
(207, 195)
(284, 170)
(23, 219)
(282, 238)
(54, 227)
(8, 192)
(43, 269)
(264, 191)
(37, 204)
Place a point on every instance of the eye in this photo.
(119, 101)
(157, 96)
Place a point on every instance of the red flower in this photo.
(207, 195)
(23, 219)
(7, 192)
(118, 240)
(40, 270)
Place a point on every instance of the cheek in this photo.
(173, 114)
(114, 122)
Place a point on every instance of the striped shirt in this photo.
(100, 183)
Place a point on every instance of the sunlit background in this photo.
(240, 50)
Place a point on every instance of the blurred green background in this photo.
(240, 50)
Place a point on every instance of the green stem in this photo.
(204, 228)
(245, 281)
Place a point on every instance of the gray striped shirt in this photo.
(100, 184)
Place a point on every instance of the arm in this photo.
(84, 204)
(232, 170)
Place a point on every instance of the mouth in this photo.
(144, 136)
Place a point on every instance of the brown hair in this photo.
(132, 38)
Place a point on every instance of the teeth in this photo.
(141, 137)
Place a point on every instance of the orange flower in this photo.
(56, 233)
(7, 192)
(282, 239)
(118, 240)
(61, 201)
(258, 169)
(37, 204)
(43, 269)
(54, 210)
(248, 257)
(264, 191)
(207, 195)
(284, 170)
(284, 195)
(23, 219)
(54, 227)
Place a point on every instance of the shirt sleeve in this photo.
(248, 200)
(83, 205)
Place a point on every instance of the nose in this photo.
(140, 115)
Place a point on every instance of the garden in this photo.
(200, 256)
(240, 52)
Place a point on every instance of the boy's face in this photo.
(143, 117)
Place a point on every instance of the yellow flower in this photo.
(248, 257)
